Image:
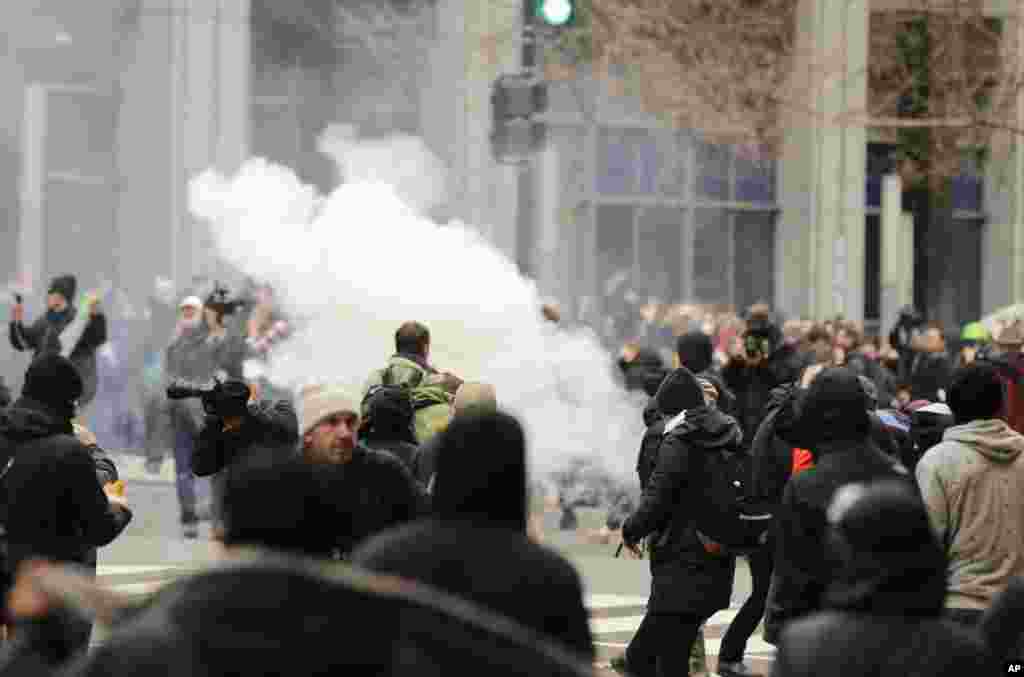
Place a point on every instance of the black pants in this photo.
(662, 644)
(734, 644)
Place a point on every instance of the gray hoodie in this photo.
(973, 485)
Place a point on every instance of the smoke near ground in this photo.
(357, 263)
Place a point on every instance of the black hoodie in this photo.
(55, 503)
(686, 578)
(476, 545)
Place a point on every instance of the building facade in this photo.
(116, 103)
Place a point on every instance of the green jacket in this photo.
(433, 404)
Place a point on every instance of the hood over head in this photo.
(890, 560)
(836, 407)
(993, 438)
(679, 392)
(695, 351)
(54, 381)
(66, 286)
(481, 471)
(30, 420)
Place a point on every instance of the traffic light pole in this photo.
(525, 221)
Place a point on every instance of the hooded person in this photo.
(765, 364)
(475, 544)
(688, 583)
(973, 486)
(696, 352)
(47, 334)
(54, 503)
(835, 418)
(883, 610)
(389, 424)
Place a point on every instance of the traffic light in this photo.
(515, 100)
(555, 13)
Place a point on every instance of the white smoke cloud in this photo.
(359, 262)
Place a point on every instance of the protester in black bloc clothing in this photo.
(689, 582)
(696, 352)
(835, 425)
(369, 491)
(903, 338)
(765, 363)
(932, 368)
(883, 609)
(234, 425)
(55, 506)
(476, 544)
(62, 330)
(389, 424)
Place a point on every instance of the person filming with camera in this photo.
(236, 423)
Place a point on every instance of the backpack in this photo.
(732, 521)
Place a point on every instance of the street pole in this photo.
(525, 239)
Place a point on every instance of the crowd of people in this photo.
(875, 488)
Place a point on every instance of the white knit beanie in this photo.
(319, 402)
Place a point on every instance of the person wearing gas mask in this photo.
(765, 363)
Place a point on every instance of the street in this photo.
(152, 551)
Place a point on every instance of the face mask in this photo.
(56, 316)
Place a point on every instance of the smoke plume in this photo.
(356, 264)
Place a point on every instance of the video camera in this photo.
(224, 399)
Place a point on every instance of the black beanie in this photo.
(481, 471)
(66, 286)
(836, 406)
(679, 392)
(55, 382)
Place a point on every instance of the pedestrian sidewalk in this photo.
(132, 468)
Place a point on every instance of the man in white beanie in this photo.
(367, 490)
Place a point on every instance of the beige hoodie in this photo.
(973, 485)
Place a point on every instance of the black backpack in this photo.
(732, 521)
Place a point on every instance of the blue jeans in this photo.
(185, 481)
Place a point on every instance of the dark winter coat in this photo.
(771, 456)
(43, 337)
(476, 545)
(846, 644)
(930, 373)
(370, 493)
(56, 507)
(803, 565)
(403, 450)
(685, 578)
(266, 424)
(752, 386)
(271, 616)
(497, 568)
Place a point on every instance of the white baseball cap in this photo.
(191, 302)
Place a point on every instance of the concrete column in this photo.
(897, 244)
(186, 108)
(820, 246)
(33, 181)
(1002, 249)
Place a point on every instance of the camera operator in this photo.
(235, 424)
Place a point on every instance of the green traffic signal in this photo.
(556, 12)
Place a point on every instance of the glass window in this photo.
(659, 248)
(967, 186)
(627, 163)
(712, 171)
(672, 148)
(754, 258)
(711, 256)
(755, 174)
